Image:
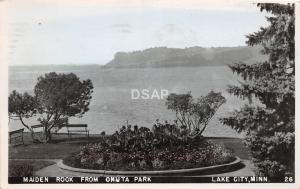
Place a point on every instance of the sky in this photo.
(91, 33)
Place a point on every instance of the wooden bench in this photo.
(71, 128)
(16, 136)
(42, 126)
(38, 126)
(77, 128)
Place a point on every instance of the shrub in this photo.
(20, 170)
(195, 113)
(143, 149)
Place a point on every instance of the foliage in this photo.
(21, 170)
(160, 57)
(21, 106)
(56, 98)
(143, 138)
(181, 105)
(269, 127)
(193, 113)
(143, 149)
(26, 168)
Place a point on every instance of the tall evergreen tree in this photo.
(269, 125)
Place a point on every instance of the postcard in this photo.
(100, 93)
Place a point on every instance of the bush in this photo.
(165, 147)
(20, 170)
(195, 113)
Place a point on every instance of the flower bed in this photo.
(143, 150)
(94, 156)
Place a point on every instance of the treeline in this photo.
(190, 57)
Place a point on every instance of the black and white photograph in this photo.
(105, 92)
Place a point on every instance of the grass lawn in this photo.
(25, 160)
(62, 146)
(26, 167)
(234, 144)
(36, 156)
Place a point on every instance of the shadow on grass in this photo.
(18, 168)
(62, 146)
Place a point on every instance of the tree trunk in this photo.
(29, 128)
(202, 130)
(48, 136)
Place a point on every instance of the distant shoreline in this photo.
(165, 57)
(103, 67)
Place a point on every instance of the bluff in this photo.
(187, 57)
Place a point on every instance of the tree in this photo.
(21, 106)
(56, 98)
(181, 105)
(269, 125)
(204, 109)
(195, 114)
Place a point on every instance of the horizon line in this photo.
(98, 64)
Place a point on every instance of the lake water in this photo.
(112, 105)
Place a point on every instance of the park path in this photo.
(55, 171)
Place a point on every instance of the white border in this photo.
(4, 18)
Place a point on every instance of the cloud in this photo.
(36, 11)
(171, 35)
(188, 4)
(122, 28)
(125, 31)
